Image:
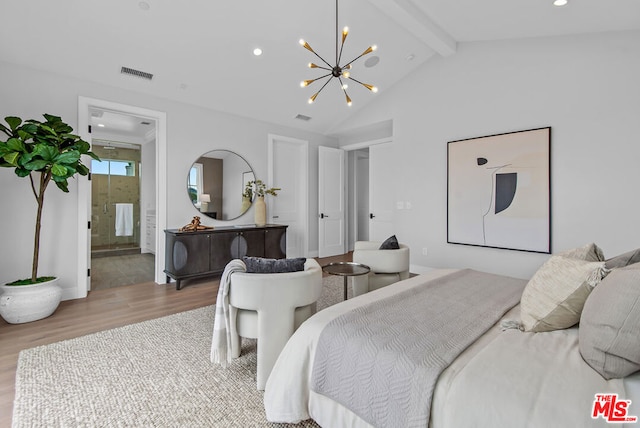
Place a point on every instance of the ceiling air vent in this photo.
(136, 73)
(303, 117)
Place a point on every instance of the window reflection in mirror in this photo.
(216, 183)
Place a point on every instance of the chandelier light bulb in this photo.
(345, 86)
(374, 89)
(346, 74)
(312, 65)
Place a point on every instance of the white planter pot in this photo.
(26, 303)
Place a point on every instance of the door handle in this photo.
(323, 215)
(371, 215)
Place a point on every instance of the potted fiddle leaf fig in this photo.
(45, 152)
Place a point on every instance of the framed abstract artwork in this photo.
(499, 191)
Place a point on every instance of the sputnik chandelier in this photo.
(336, 71)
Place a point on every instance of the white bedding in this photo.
(506, 378)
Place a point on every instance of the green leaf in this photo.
(59, 170)
(21, 172)
(82, 170)
(62, 185)
(45, 152)
(15, 144)
(12, 158)
(36, 165)
(68, 157)
(94, 156)
(13, 122)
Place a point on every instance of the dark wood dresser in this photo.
(207, 252)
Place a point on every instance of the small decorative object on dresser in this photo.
(194, 226)
(260, 189)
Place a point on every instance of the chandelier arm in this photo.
(355, 59)
(357, 81)
(325, 84)
(323, 68)
(337, 60)
(318, 78)
(345, 91)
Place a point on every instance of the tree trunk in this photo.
(44, 180)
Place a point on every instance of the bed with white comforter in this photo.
(505, 378)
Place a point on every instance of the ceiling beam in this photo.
(413, 19)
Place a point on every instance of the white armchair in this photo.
(270, 307)
(387, 266)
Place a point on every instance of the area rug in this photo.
(155, 373)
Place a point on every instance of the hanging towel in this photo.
(124, 219)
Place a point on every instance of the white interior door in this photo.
(381, 192)
(288, 166)
(331, 202)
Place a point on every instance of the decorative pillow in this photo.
(609, 333)
(626, 259)
(262, 265)
(554, 297)
(391, 243)
(590, 252)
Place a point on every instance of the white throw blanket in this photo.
(221, 340)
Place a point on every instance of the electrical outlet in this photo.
(424, 251)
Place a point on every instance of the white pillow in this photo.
(554, 297)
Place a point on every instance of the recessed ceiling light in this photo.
(372, 61)
(410, 57)
(257, 51)
(101, 125)
(560, 2)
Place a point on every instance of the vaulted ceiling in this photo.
(200, 51)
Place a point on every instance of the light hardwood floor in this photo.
(102, 310)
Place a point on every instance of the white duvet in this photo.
(505, 379)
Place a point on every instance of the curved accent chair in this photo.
(387, 266)
(270, 307)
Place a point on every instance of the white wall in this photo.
(192, 131)
(585, 87)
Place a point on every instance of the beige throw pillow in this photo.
(554, 297)
(590, 252)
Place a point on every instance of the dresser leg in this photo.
(178, 285)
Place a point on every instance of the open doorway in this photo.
(122, 199)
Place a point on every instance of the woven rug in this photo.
(155, 373)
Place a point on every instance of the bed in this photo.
(505, 377)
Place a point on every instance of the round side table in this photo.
(346, 269)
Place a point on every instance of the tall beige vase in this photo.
(261, 211)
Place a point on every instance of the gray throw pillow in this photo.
(262, 265)
(622, 260)
(609, 332)
(391, 243)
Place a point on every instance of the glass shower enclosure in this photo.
(115, 201)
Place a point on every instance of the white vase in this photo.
(26, 303)
(261, 211)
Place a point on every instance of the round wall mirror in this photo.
(216, 183)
